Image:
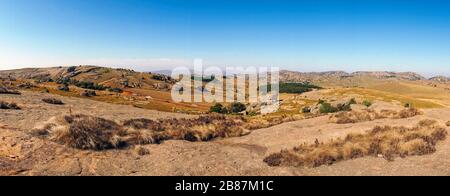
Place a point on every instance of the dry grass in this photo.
(8, 106)
(370, 115)
(53, 101)
(387, 141)
(4, 90)
(93, 133)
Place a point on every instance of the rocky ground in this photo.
(22, 154)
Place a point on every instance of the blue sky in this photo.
(310, 35)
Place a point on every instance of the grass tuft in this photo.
(388, 142)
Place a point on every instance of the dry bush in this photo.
(9, 106)
(141, 151)
(4, 90)
(53, 101)
(447, 123)
(387, 141)
(87, 132)
(370, 115)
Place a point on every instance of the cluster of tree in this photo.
(234, 108)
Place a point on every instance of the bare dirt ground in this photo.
(22, 154)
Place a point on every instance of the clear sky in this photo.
(310, 35)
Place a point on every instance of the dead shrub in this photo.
(4, 90)
(9, 106)
(408, 113)
(387, 141)
(53, 101)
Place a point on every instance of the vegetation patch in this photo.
(8, 106)
(367, 103)
(325, 107)
(233, 108)
(4, 90)
(388, 142)
(93, 133)
(370, 115)
(53, 101)
(141, 151)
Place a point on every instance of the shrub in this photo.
(217, 108)
(367, 103)
(53, 101)
(71, 69)
(116, 90)
(83, 132)
(408, 105)
(64, 87)
(237, 107)
(9, 106)
(448, 123)
(4, 90)
(93, 133)
(344, 107)
(141, 151)
(296, 88)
